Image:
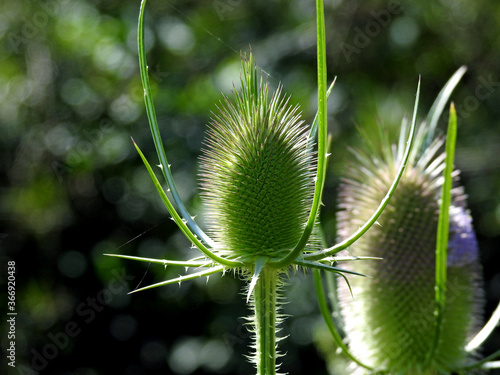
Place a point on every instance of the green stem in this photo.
(266, 318)
(322, 141)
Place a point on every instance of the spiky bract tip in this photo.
(390, 322)
(256, 171)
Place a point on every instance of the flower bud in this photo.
(256, 172)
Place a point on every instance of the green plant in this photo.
(262, 185)
(422, 304)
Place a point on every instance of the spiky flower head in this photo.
(256, 171)
(389, 324)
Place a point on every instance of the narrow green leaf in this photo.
(439, 104)
(259, 265)
(350, 258)
(488, 328)
(315, 123)
(325, 267)
(179, 221)
(443, 230)
(325, 312)
(493, 364)
(165, 262)
(483, 363)
(373, 219)
(180, 279)
(155, 132)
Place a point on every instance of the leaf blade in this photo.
(155, 132)
(165, 262)
(443, 231)
(441, 100)
(373, 219)
(325, 312)
(179, 221)
(179, 279)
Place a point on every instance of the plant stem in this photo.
(266, 317)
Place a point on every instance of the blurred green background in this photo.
(74, 188)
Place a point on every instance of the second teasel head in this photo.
(389, 320)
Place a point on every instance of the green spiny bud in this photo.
(256, 171)
(389, 324)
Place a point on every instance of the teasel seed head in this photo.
(256, 171)
(389, 323)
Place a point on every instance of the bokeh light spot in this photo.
(72, 264)
(123, 327)
(176, 36)
(153, 354)
(404, 31)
